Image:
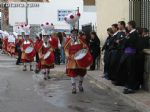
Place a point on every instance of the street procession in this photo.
(74, 56)
(41, 50)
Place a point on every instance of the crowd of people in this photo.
(50, 48)
(124, 56)
(123, 53)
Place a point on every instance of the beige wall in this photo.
(109, 12)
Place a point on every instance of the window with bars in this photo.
(140, 12)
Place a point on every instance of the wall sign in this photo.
(63, 13)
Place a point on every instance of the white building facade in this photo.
(49, 12)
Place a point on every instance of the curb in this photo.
(5, 61)
(126, 98)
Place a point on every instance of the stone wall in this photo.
(110, 12)
(147, 71)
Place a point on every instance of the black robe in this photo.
(106, 54)
(115, 55)
(128, 61)
(143, 43)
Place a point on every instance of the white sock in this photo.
(81, 79)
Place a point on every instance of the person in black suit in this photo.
(146, 38)
(106, 53)
(119, 45)
(143, 43)
(114, 54)
(129, 59)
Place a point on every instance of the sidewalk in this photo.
(140, 100)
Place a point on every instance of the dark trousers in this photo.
(94, 55)
(140, 59)
(106, 62)
(122, 71)
(37, 57)
(19, 57)
(115, 57)
(57, 56)
(132, 81)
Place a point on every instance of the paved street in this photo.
(26, 92)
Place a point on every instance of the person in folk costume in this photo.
(37, 45)
(19, 42)
(9, 45)
(45, 48)
(5, 41)
(12, 44)
(1, 41)
(27, 42)
(72, 45)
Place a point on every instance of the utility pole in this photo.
(78, 10)
(26, 11)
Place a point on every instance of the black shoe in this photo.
(91, 69)
(24, 69)
(128, 91)
(105, 77)
(81, 89)
(17, 63)
(48, 77)
(31, 69)
(45, 78)
(37, 71)
(44, 73)
(118, 84)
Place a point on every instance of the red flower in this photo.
(47, 23)
(71, 17)
(22, 26)
(78, 14)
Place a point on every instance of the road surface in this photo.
(27, 92)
